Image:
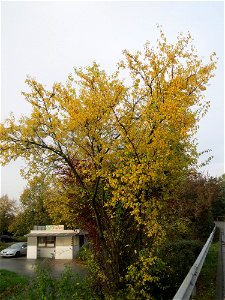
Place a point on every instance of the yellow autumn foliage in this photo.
(134, 142)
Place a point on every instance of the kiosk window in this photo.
(46, 241)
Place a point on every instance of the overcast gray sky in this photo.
(47, 39)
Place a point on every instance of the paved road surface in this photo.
(24, 266)
(221, 267)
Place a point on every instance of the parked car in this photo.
(6, 238)
(15, 250)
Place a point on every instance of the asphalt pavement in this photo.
(24, 266)
(221, 263)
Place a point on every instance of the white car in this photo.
(16, 250)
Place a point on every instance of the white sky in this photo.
(47, 39)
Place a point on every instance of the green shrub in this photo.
(20, 239)
(68, 286)
(178, 257)
(2, 246)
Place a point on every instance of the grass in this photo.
(206, 283)
(11, 284)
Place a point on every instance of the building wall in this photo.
(46, 252)
(77, 243)
(76, 246)
(32, 247)
(64, 248)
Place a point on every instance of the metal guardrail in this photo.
(188, 285)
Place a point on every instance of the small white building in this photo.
(53, 241)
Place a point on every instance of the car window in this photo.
(14, 246)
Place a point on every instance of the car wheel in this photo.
(17, 254)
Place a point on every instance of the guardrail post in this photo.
(194, 291)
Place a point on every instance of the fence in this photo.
(187, 287)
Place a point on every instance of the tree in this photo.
(194, 206)
(218, 204)
(32, 207)
(7, 213)
(126, 146)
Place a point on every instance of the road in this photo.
(221, 262)
(24, 266)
